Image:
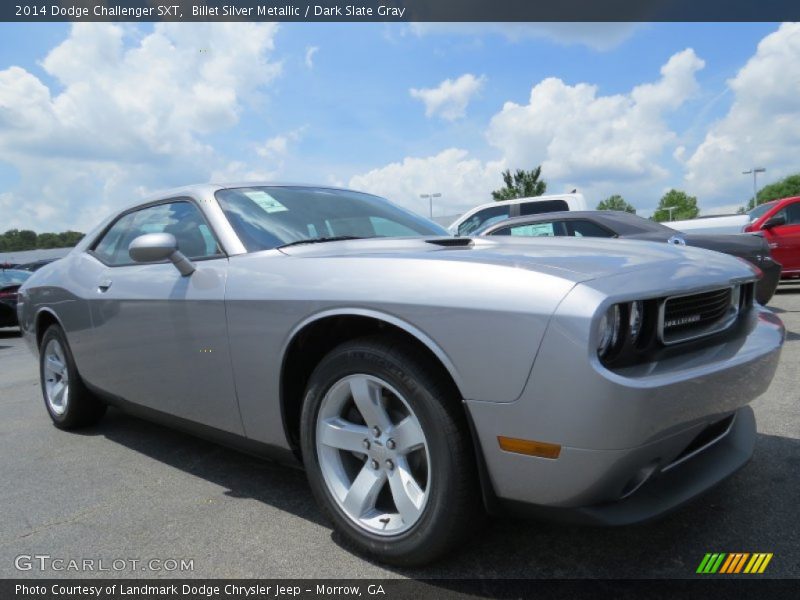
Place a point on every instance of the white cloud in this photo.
(462, 181)
(598, 144)
(277, 147)
(578, 135)
(598, 36)
(450, 98)
(762, 126)
(310, 52)
(130, 114)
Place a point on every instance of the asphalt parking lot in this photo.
(132, 490)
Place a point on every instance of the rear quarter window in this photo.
(542, 206)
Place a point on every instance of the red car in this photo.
(779, 222)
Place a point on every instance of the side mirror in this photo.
(775, 221)
(157, 247)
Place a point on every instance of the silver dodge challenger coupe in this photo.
(421, 380)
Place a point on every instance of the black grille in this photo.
(698, 314)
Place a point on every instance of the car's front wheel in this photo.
(66, 398)
(387, 452)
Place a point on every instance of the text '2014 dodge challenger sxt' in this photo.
(420, 379)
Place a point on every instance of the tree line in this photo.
(17, 240)
(675, 205)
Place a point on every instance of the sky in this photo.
(95, 116)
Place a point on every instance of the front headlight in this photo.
(608, 331)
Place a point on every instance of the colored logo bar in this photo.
(734, 562)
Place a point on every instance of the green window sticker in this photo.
(266, 202)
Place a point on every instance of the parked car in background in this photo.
(35, 265)
(779, 222)
(419, 378)
(485, 214)
(10, 281)
(616, 224)
(712, 224)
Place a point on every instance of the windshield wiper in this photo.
(319, 240)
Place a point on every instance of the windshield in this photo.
(268, 217)
(759, 211)
(13, 277)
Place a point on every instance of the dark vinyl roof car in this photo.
(779, 222)
(610, 224)
(10, 281)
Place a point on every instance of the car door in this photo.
(160, 339)
(784, 240)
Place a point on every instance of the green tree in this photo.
(522, 184)
(616, 202)
(15, 240)
(49, 240)
(70, 238)
(785, 188)
(685, 207)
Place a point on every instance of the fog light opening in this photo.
(638, 480)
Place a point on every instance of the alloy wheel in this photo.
(373, 455)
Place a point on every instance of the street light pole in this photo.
(755, 171)
(670, 209)
(430, 198)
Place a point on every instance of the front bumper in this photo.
(770, 278)
(625, 437)
(663, 491)
(8, 313)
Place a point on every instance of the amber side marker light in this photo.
(529, 447)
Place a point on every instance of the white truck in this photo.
(488, 213)
(712, 224)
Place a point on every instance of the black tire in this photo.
(453, 509)
(82, 408)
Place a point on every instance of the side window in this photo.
(182, 219)
(106, 248)
(488, 215)
(587, 229)
(793, 214)
(546, 229)
(542, 206)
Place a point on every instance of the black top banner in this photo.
(400, 10)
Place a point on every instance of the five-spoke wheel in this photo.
(387, 451)
(69, 403)
(56, 377)
(373, 454)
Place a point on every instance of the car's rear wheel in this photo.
(387, 452)
(66, 398)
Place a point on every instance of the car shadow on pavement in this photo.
(242, 475)
(750, 512)
(754, 511)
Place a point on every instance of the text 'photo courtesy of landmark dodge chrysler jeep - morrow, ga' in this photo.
(420, 379)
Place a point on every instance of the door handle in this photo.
(103, 286)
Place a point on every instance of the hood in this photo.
(577, 259)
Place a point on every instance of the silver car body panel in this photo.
(512, 320)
